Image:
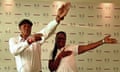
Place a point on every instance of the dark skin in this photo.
(61, 40)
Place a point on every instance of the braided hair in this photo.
(55, 46)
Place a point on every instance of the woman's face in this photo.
(60, 40)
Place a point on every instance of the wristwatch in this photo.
(103, 41)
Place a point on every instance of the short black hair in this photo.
(61, 32)
(25, 21)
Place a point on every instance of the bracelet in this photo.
(103, 41)
(60, 17)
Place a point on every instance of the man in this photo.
(63, 57)
(26, 47)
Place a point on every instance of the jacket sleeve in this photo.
(48, 30)
(17, 47)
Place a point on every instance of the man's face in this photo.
(25, 30)
(60, 40)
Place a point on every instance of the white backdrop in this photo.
(87, 21)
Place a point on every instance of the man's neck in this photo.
(24, 37)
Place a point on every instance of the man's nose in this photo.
(26, 27)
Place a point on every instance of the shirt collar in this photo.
(21, 39)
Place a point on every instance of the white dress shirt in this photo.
(28, 57)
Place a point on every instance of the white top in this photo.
(67, 63)
(28, 57)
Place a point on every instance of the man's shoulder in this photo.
(14, 38)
